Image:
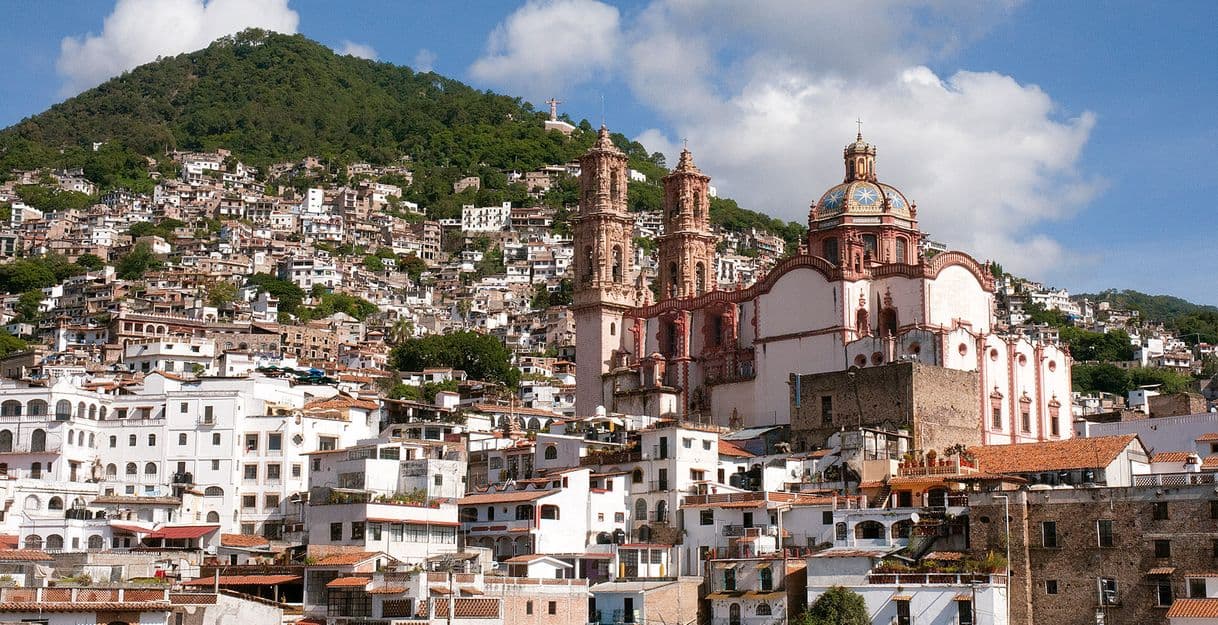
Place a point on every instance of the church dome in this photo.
(863, 197)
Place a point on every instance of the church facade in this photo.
(858, 294)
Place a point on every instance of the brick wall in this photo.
(939, 405)
(1078, 561)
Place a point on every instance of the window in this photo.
(826, 408)
(316, 464)
(327, 443)
(182, 438)
(1103, 530)
(1214, 508)
(1162, 548)
(438, 480)
(1108, 591)
(1163, 594)
(251, 472)
(964, 612)
(395, 532)
(357, 530)
(150, 468)
(996, 418)
(687, 442)
(209, 414)
(552, 608)
(903, 614)
(729, 579)
(273, 472)
(549, 512)
(249, 501)
(183, 407)
(251, 442)
(706, 445)
(636, 476)
(620, 517)
(271, 502)
(152, 440)
(528, 607)
(296, 469)
(374, 531)
(132, 469)
(765, 578)
(763, 609)
(131, 442)
(274, 441)
(1048, 534)
(697, 475)
(1050, 587)
(1158, 511)
(113, 441)
(1196, 587)
(336, 531)
(215, 465)
(215, 438)
(1025, 421)
(826, 517)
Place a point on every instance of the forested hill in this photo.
(1153, 307)
(269, 97)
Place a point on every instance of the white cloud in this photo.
(546, 46)
(363, 51)
(138, 31)
(424, 60)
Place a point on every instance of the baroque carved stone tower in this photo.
(687, 248)
(604, 275)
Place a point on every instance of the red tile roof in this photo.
(1194, 608)
(727, 448)
(9, 541)
(349, 582)
(243, 580)
(183, 532)
(1208, 436)
(84, 606)
(1172, 456)
(1074, 453)
(24, 555)
(243, 540)
(504, 497)
(339, 559)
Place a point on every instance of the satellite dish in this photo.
(914, 518)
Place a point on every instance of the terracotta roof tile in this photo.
(83, 606)
(24, 555)
(1172, 456)
(1210, 463)
(504, 497)
(349, 582)
(9, 541)
(243, 580)
(343, 559)
(1208, 436)
(727, 448)
(1074, 453)
(243, 540)
(1193, 608)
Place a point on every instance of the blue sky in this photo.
(1074, 142)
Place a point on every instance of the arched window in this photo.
(92, 440)
(37, 408)
(213, 491)
(636, 476)
(640, 510)
(96, 542)
(54, 541)
(150, 468)
(617, 263)
(829, 250)
(870, 243)
(93, 412)
(766, 578)
(63, 410)
(111, 470)
(6, 441)
(33, 541)
(644, 534)
(38, 440)
(55, 504)
(901, 251)
(733, 614)
(132, 469)
(81, 410)
(152, 440)
(213, 517)
(32, 504)
(71, 437)
(763, 609)
(549, 512)
(101, 413)
(551, 452)
(869, 530)
(674, 277)
(839, 531)
(36, 470)
(10, 408)
(614, 186)
(697, 205)
(661, 511)
(589, 262)
(604, 538)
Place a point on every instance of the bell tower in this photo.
(605, 287)
(687, 247)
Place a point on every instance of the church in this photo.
(859, 304)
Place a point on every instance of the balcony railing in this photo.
(1173, 479)
(942, 579)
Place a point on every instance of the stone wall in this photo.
(1176, 404)
(1078, 560)
(938, 406)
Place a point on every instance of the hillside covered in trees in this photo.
(269, 98)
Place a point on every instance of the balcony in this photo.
(613, 617)
(1173, 479)
(938, 579)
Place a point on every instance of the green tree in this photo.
(28, 305)
(332, 303)
(10, 344)
(134, 264)
(221, 293)
(541, 296)
(1169, 381)
(92, 262)
(290, 296)
(413, 266)
(1038, 314)
(1104, 347)
(373, 263)
(481, 356)
(1100, 377)
(837, 606)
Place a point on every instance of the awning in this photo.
(183, 532)
(726, 565)
(470, 590)
(349, 582)
(964, 597)
(763, 565)
(1162, 570)
(902, 597)
(133, 529)
(439, 590)
(244, 580)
